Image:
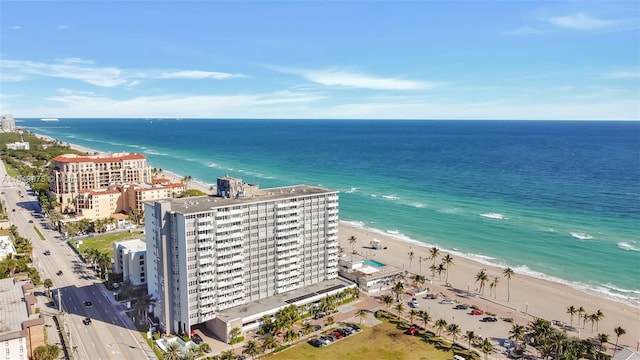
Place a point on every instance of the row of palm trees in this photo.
(482, 277)
(99, 260)
(582, 314)
(556, 344)
(21, 260)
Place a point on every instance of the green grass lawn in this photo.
(381, 342)
(104, 243)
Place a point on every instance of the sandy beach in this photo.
(529, 297)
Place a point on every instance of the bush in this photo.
(239, 339)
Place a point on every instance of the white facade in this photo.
(130, 260)
(20, 145)
(6, 247)
(8, 123)
(210, 254)
(13, 346)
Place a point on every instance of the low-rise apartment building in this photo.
(22, 328)
(130, 260)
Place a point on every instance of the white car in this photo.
(446, 301)
(414, 303)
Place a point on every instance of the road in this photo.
(111, 334)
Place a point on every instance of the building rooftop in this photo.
(198, 204)
(6, 247)
(69, 158)
(286, 299)
(134, 245)
(13, 308)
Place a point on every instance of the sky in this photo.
(500, 59)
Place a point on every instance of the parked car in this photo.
(489, 319)
(30, 221)
(507, 343)
(325, 340)
(477, 312)
(197, 339)
(86, 321)
(315, 342)
(355, 327)
(337, 334)
(414, 303)
(331, 337)
(446, 301)
(431, 296)
(59, 272)
(318, 316)
(47, 252)
(461, 307)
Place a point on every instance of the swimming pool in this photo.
(373, 263)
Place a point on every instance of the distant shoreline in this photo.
(544, 298)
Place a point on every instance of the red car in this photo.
(477, 312)
(337, 334)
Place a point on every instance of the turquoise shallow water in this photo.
(557, 200)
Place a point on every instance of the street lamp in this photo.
(526, 308)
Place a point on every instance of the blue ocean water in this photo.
(554, 199)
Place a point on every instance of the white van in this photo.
(458, 357)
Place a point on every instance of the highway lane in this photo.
(111, 334)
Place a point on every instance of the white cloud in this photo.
(623, 74)
(581, 21)
(86, 71)
(16, 27)
(195, 74)
(63, 27)
(597, 105)
(342, 78)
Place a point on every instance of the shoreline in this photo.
(529, 295)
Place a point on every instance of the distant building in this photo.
(130, 260)
(97, 204)
(72, 174)
(136, 195)
(20, 145)
(8, 123)
(22, 328)
(626, 354)
(227, 260)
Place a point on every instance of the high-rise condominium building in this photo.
(8, 123)
(211, 256)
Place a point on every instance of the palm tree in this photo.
(599, 316)
(482, 278)
(441, 324)
(410, 258)
(471, 337)
(205, 347)
(433, 269)
(516, 333)
(619, 332)
(508, 273)
(270, 342)
(603, 338)
(235, 333)
(486, 348)
(352, 240)
(454, 331)
(425, 317)
(412, 315)
(387, 300)
(400, 309)
(290, 335)
(329, 320)
(580, 311)
(593, 318)
(173, 352)
(227, 355)
(307, 328)
(398, 289)
(433, 254)
(362, 314)
(571, 310)
(48, 283)
(440, 269)
(447, 260)
(252, 348)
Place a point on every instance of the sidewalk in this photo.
(53, 336)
